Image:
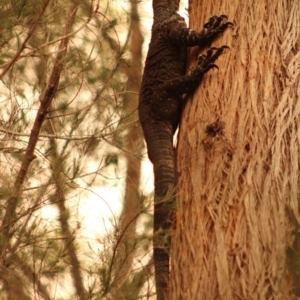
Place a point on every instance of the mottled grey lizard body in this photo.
(160, 105)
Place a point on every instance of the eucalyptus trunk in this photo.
(238, 159)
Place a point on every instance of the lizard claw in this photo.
(225, 47)
(211, 66)
(206, 62)
(210, 22)
(216, 25)
(215, 21)
(211, 50)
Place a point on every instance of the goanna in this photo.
(160, 105)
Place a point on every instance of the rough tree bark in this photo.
(238, 159)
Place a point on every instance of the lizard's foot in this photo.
(206, 61)
(216, 25)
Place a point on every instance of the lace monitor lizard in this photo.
(160, 105)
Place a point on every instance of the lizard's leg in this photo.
(187, 83)
(189, 37)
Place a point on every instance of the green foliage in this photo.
(81, 135)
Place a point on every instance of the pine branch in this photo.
(60, 200)
(30, 32)
(29, 155)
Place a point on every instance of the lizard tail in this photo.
(161, 153)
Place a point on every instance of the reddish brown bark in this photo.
(238, 159)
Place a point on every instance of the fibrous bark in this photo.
(238, 159)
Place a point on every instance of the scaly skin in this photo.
(160, 105)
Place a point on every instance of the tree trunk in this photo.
(133, 206)
(238, 159)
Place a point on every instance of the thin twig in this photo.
(30, 32)
(68, 138)
(29, 156)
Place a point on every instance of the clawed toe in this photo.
(211, 66)
(212, 53)
(206, 61)
(215, 23)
